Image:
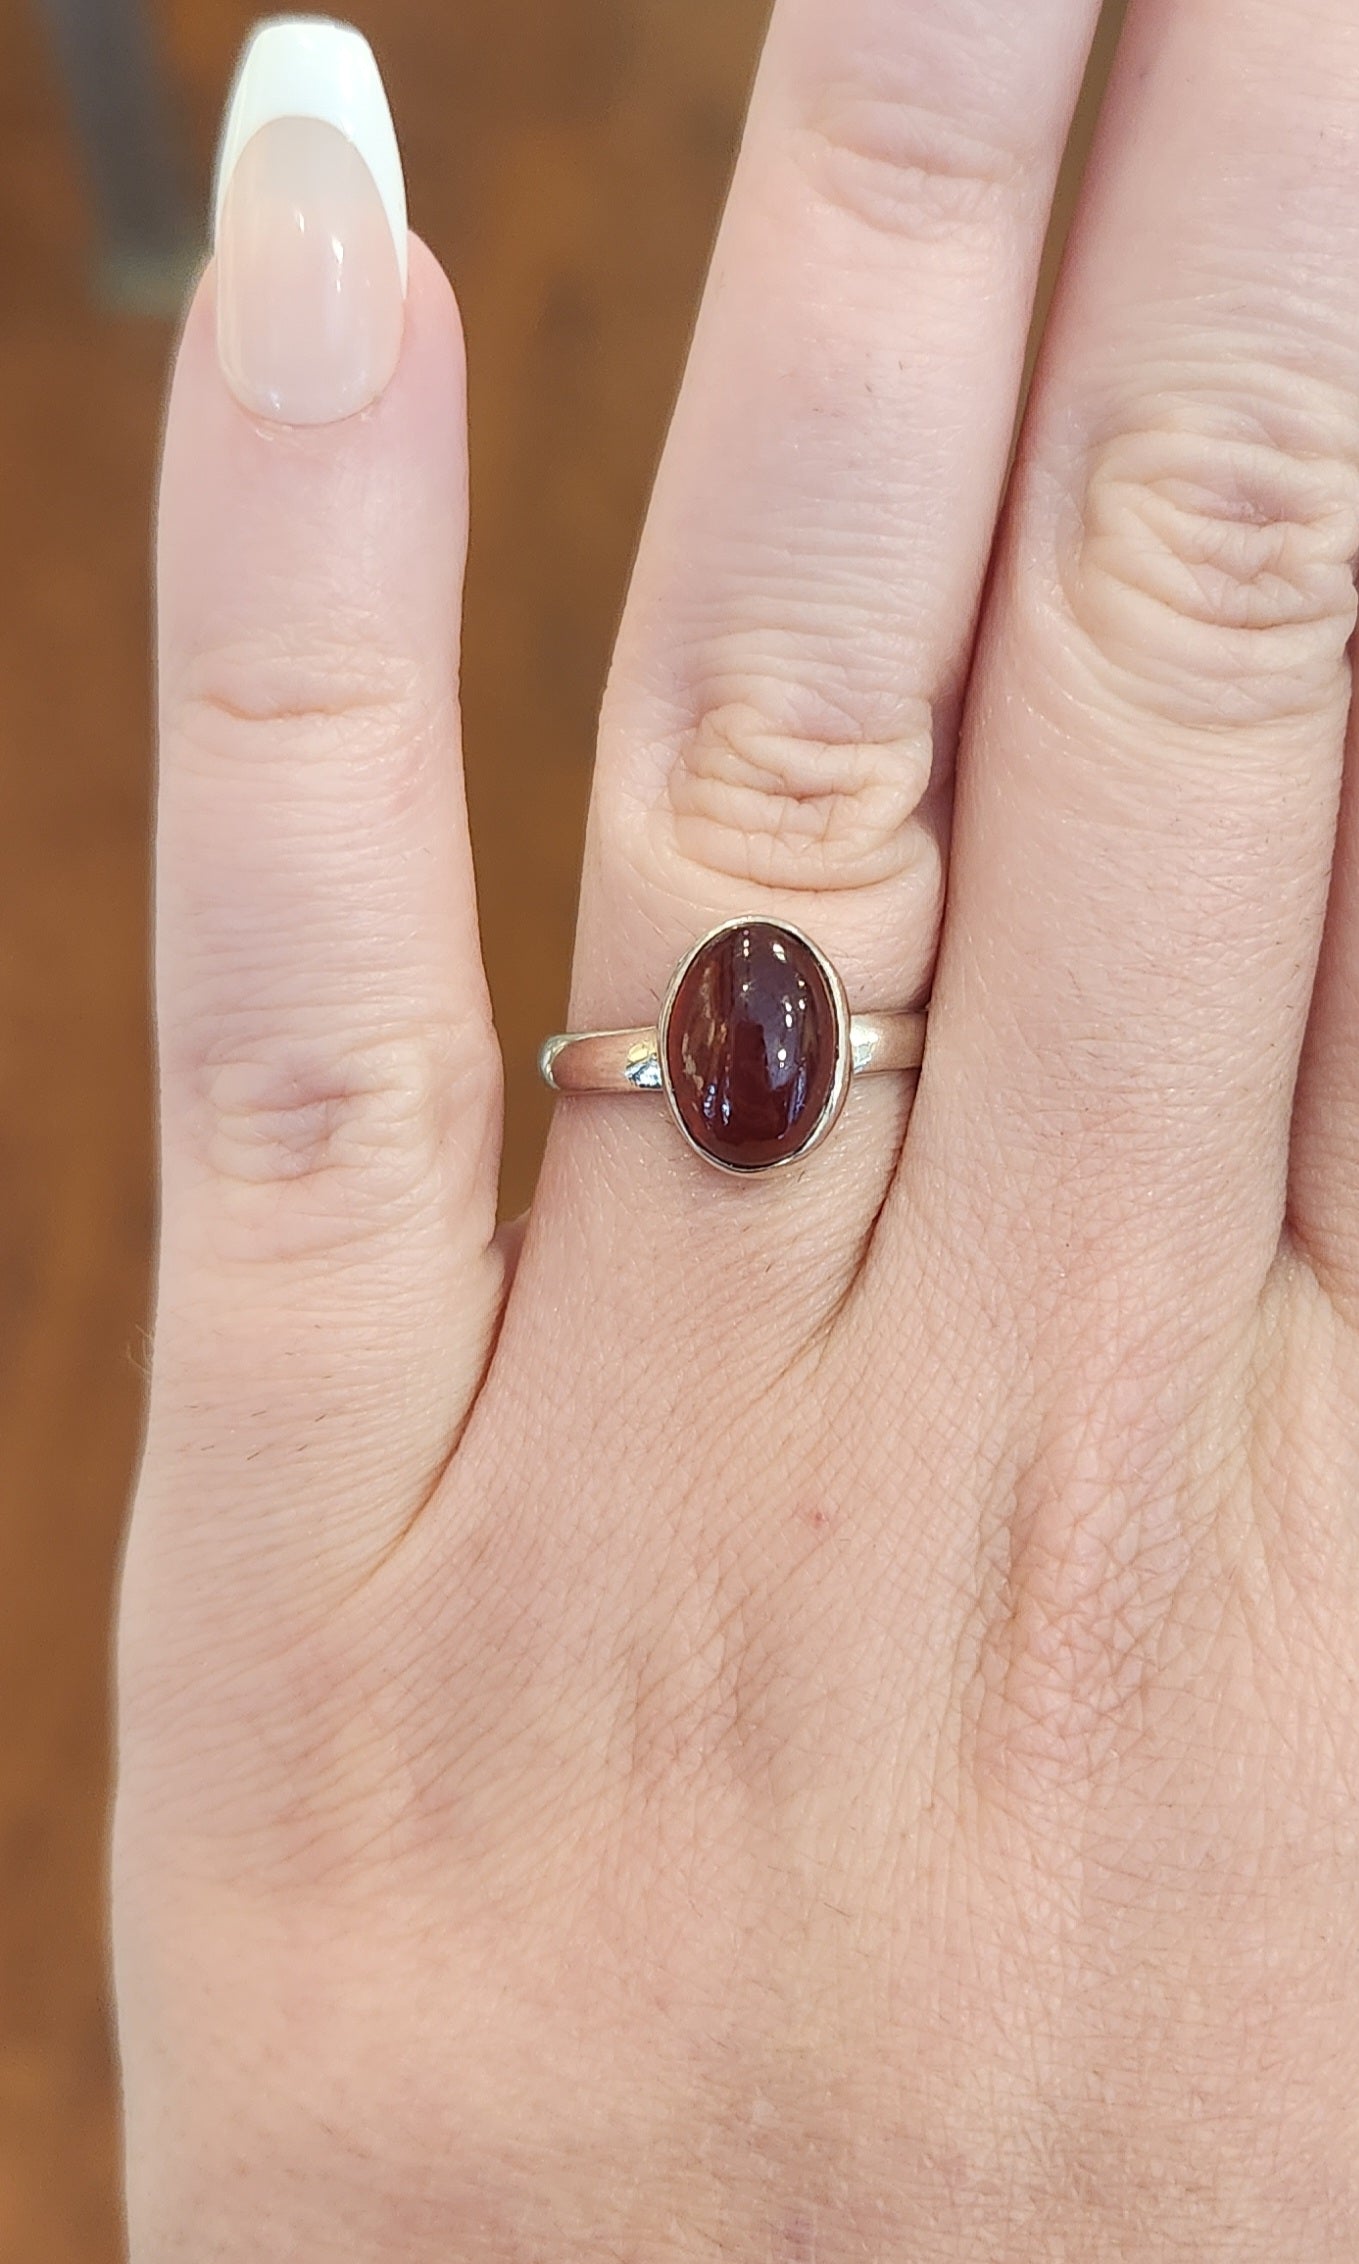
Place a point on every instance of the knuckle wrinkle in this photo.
(308, 1145)
(1214, 572)
(788, 811)
(905, 170)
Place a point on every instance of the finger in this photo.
(330, 1085)
(1324, 1164)
(777, 732)
(1149, 780)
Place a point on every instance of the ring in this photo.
(754, 1048)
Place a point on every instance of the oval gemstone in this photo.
(750, 1046)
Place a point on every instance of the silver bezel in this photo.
(844, 1061)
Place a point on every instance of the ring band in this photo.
(754, 1048)
(629, 1061)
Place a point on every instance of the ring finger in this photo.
(777, 733)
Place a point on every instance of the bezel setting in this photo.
(844, 1061)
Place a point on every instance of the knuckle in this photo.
(1213, 573)
(309, 1144)
(266, 702)
(783, 810)
(905, 170)
(1086, 1598)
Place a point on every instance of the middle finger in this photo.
(1158, 711)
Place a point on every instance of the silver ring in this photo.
(754, 1048)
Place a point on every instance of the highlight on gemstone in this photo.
(751, 1045)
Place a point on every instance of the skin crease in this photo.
(821, 1721)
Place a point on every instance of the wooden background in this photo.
(567, 160)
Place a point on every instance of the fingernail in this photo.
(309, 225)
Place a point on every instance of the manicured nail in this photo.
(310, 225)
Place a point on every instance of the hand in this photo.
(823, 1720)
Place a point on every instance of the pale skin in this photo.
(823, 1721)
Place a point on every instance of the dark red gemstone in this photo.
(750, 1046)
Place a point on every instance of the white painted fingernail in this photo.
(310, 225)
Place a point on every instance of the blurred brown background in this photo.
(566, 160)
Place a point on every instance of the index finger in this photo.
(329, 1078)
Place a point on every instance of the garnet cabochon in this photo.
(752, 1045)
